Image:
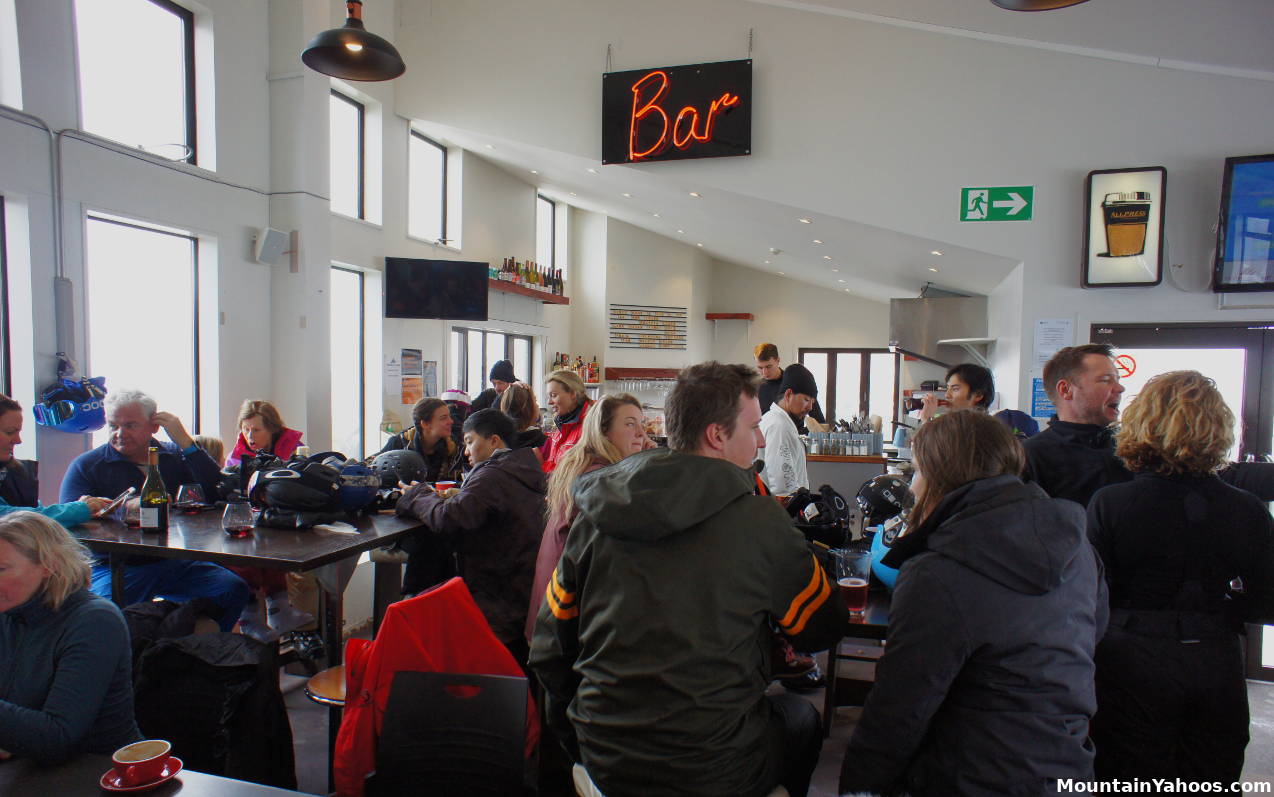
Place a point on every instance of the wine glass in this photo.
(237, 520)
(190, 499)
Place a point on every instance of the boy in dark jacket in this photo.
(654, 637)
(493, 524)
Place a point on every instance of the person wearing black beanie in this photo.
(785, 470)
(501, 377)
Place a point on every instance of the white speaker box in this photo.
(268, 245)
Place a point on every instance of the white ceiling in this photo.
(873, 262)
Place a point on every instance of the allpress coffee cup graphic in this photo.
(1126, 215)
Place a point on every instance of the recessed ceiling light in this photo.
(934, 270)
(840, 280)
(805, 221)
(695, 194)
(699, 244)
(768, 263)
(591, 170)
(847, 290)
(681, 232)
(574, 194)
(827, 257)
(782, 274)
(656, 215)
(817, 241)
(936, 252)
(835, 271)
(490, 146)
(630, 196)
(533, 171)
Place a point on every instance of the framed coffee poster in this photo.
(1123, 227)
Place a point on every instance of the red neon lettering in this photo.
(683, 135)
(645, 110)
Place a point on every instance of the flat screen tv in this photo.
(452, 289)
(1244, 254)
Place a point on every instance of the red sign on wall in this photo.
(677, 112)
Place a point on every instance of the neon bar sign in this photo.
(677, 112)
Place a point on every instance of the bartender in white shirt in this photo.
(785, 471)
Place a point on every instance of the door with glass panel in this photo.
(1239, 358)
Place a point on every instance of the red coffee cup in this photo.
(444, 486)
(141, 762)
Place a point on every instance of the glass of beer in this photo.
(853, 568)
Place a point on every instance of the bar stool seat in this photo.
(327, 686)
(584, 786)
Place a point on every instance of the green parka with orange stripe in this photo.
(653, 640)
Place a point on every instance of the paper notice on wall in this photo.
(1041, 407)
(393, 372)
(431, 377)
(1051, 335)
(413, 389)
(412, 362)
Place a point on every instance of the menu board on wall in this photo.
(637, 326)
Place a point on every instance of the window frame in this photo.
(443, 238)
(196, 427)
(361, 155)
(362, 356)
(461, 368)
(552, 228)
(6, 346)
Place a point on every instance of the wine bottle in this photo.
(154, 497)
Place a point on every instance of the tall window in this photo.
(6, 367)
(348, 365)
(474, 351)
(348, 156)
(852, 381)
(545, 231)
(427, 188)
(137, 73)
(143, 312)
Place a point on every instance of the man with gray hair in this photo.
(134, 418)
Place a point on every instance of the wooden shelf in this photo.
(641, 373)
(730, 317)
(522, 290)
(873, 459)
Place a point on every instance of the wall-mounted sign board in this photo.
(635, 326)
(997, 203)
(677, 112)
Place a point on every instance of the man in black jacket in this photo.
(493, 524)
(654, 636)
(501, 377)
(1075, 456)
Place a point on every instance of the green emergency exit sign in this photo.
(997, 203)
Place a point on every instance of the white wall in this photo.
(788, 314)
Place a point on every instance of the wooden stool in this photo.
(327, 686)
(584, 786)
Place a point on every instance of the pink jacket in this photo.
(562, 439)
(285, 445)
(551, 545)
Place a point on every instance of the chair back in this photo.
(451, 734)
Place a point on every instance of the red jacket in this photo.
(441, 630)
(562, 439)
(284, 446)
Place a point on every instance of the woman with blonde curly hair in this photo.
(1171, 696)
(613, 429)
(65, 652)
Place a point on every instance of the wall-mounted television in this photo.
(1245, 234)
(452, 289)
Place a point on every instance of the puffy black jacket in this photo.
(494, 525)
(986, 685)
(654, 637)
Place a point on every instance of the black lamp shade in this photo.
(1036, 5)
(351, 53)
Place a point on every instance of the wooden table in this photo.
(82, 774)
(863, 642)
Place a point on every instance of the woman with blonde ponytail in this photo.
(613, 429)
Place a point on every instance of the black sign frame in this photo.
(683, 112)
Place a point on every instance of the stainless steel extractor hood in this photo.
(918, 324)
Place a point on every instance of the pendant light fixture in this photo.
(1036, 5)
(351, 52)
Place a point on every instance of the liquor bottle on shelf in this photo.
(593, 371)
(154, 497)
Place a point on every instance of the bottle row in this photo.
(530, 274)
(588, 371)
